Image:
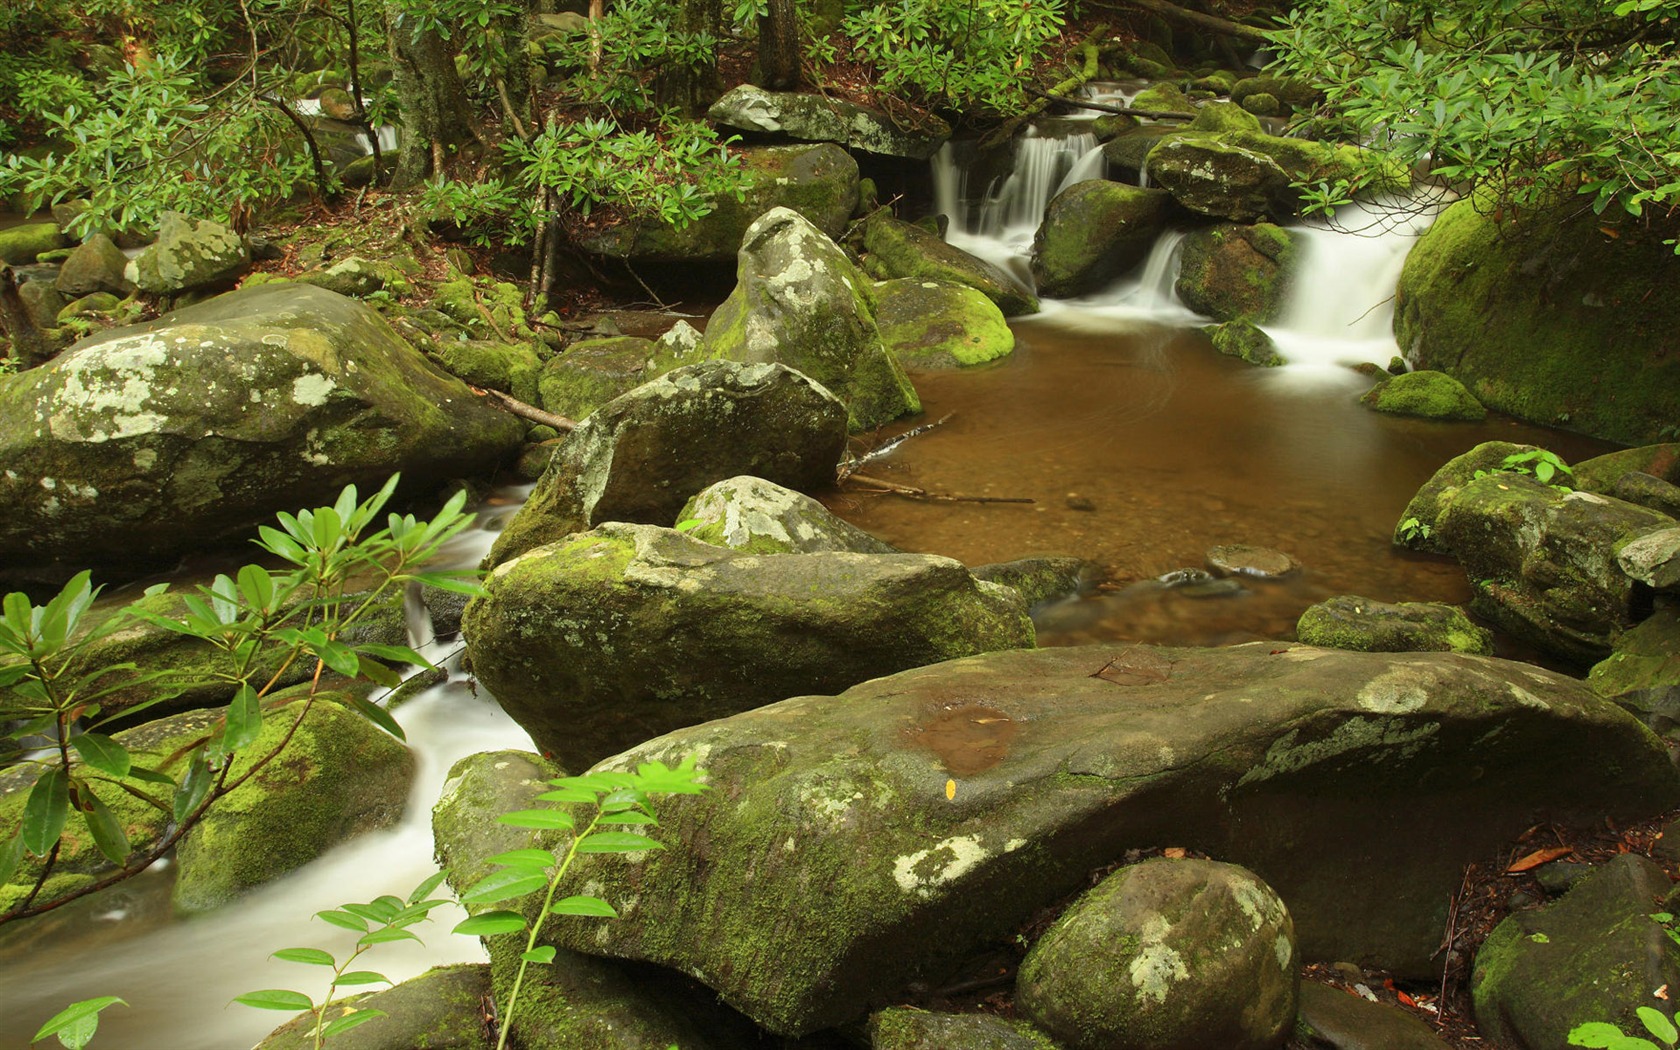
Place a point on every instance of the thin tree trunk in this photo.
(778, 46)
(431, 99)
(691, 88)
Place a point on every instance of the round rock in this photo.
(1240, 559)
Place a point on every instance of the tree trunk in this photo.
(778, 46)
(431, 100)
(691, 88)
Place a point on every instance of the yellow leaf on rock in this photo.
(950, 789)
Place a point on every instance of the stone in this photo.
(1338, 1020)
(1224, 116)
(512, 368)
(1352, 622)
(19, 245)
(592, 372)
(1262, 104)
(755, 516)
(1127, 154)
(141, 443)
(1165, 97)
(1093, 232)
(1425, 395)
(1601, 473)
(1246, 341)
(820, 182)
(906, 1028)
(42, 302)
(190, 255)
(818, 118)
(900, 249)
(1232, 273)
(1642, 672)
(1241, 559)
(941, 807)
(96, 265)
(1594, 955)
(612, 636)
(1638, 487)
(92, 304)
(1221, 180)
(799, 301)
(358, 277)
(933, 326)
(1166, 955)
(641, 456)
(1424, 510)
(1042, 579)
(1295, 93)
(442, 1009)
(1653, 559)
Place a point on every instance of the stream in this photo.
(1140, 447)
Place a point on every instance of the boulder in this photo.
(820, 182)
(1093, 232)
(817, 118)
(1545, 318)
(1601, 473)
(938, 808)
(140, 443)
(932, 326)
(509, 367)
(1425, 395)
(1653, 559)
(1334, 1019)
(190, 255)
(612, 636)
(1297, 93)
(755, 516)
(592, 372)
(641, 456)
(899, 249)
(798, 301)
(1245, 340)
(1594, 955)
(1642, 672)
(1351, 622)
(1127, 154)
(1224, 116)
(1235, 273)
(905, 1028)
(358, 277)
(1647, 491)
(1215, 178)
(1042, 579)
(442, 1009)
(19, 245)
(1165, 97)
(42, 302)
(97, 265)
(1166, 955)
(1423, 512)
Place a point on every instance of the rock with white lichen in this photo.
(141, 443)
(755, 516)
(190, 255)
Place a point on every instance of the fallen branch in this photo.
(1005, 131)
(912, 492)
(1151, 114)
(851, 467)
(524, 411)
(1258, 37)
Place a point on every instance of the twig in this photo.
(911, 492)
(525, 411)
(889, 447)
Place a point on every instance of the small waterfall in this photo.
(997, 222)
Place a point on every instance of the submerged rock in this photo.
(1234, 273)
(900, 249)
(1242, 559)
(755, 516)
(1245, 340)
(934, 326)
(1425, 395)
(1351, 622)
(1093, 232)
(817, 118)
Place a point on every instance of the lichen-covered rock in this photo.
(819, 182)
(97, 265)
(1225, 181)
(1093, 232)
(1595, 955)
(1425, 395)
(1351, 622)
(900, 249)
(641, 456)
(798, 301)
(934, 326)
(592, 372)
(1166, 955)
(940, 807)
(190, 255)
(1334, 1019)
(1653, 559)
(1235, 273)
(1642, 672)
(509, 367)
(442, 1009)
(818, 118)
(1127, 153)
(1245, 340)
(358, 277)
(612, 636)
(1043, 578)
(480, 788)
(19, 245)
(140, 443)
(1416, 527)
(755, 516)
(1545, 318)
(906, 1028)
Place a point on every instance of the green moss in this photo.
(498, 366)
(900, 249)
(1237, 272)
(1243, 340)
(1426, 395)
(19, 245)
(1224, 116)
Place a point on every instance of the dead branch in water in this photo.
(531, 412)
(851, 466)
(912, 492)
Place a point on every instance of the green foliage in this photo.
(1539, 464)
(959, 54)
(1609, 1036)
(636, 39)
(76, 1024)
(1413, 529)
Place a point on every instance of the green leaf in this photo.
(634, 817)
(524, 858)
(244, 719)
(11, 857)
(491, 923)
(349, 1021)
(377, 715)
(542, 956)
(103, 825)
(616, 842)
(446, 582)
(431, 882)
(1657, 1024)
(357, 977)
(339, 657)
(193, 788)
(103, 753)
(568, 795)
(547, 819)
(310, 956)
(344, 919)
(1598, 1034)
(257, 586)
(400, 654)
(74, 1017)
(385, 935)
(594, 907)
(276, 999)
(46, 811)
(504, 885)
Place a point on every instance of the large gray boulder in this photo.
(1093, 232)
(140, 443)
(612, 636)
(189, 255)
(641, 456)
(817, 118)
(940, 807)
(800, 302)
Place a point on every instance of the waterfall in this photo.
(997, 222)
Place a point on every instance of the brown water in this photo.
(1142, 448)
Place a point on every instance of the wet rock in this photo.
(1221, 180)
(1093, 232)
(1647, 491)
(614, 636)
(1164, 98)
(1246, 341)
(19, 245)
(1653, 559)
(899, 249)
(1416, 527)
(904, 1028)
(1351, 622)
(1224, 116)
(940, 807)
(755, 516)
(190, 255)
(96, 265)
(140, 443)
(1041, 579)
(1601, 473)
(1241, 559)
(1642, 672)
(933, 326)
(1237, 272)
(1127, 153)
(1166, 955)
(817, 118)
(1425, 395)
(1262, 104)
(511, 368)
(1595, 955)
(641, 456)
(442, 1009)
(1338, 1020)
(800, 302)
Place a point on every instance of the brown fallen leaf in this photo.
(1175, 852)
(1537, 858)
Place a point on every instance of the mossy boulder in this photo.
(799, 301)
(19, 245)
(1416, 527)
(933, 326)
(1262, 104)
(141, 443)
(359, 277)
(612, 636)
(1601, 473)
(906, 1028)
(1216, 178)
(1224, 116)
(509, 367)
(1351, 622)
(97, 265)
(594, 371)
(641, 456)
(755, 516)
(937, 809)
(1296, 93)
(190, 255)
(42, 302)
(818, 118)
(1245, 340)
(442, 1009)
(489, 308)
(819, 182)
(1166, 955)
(1642, 672)
(1093, 232)
(1165, 97)
(1595, 955)
(1546, 318)
(900, 249)
(1231, 272)
(1043, 578)
(1425, 395)
(1127, 153)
